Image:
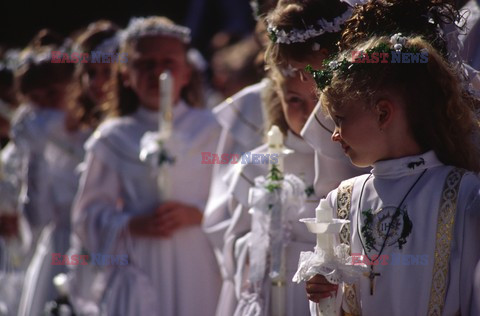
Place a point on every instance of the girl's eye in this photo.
(294, 101)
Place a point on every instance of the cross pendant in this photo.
(372, 275)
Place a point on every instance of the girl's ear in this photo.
(384, 109)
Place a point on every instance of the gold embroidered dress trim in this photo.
(344, 198)
(443, 243)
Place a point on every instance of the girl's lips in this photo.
(345, 148)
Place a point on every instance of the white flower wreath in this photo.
(322, 26)
(139, 27)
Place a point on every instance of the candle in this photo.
(61, 284)
(323, 214)
(166, 103)
(275, 145)
(278, 291)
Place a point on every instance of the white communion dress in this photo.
(421, 218)
(239, 237)
(175, 276)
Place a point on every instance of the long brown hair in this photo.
(82, 110)
(409, 17)
(273, 107)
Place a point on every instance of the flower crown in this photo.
(323, 78)
(140, 27)
(322, 26)
(36, 57)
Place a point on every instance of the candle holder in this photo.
(333, 262)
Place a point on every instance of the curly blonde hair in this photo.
(439, 113)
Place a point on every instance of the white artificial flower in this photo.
(398, 39)
(333, 64)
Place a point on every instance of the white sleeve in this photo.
(470, 255)
(97, 217)
(217, 216)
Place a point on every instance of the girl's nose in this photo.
(336, 135)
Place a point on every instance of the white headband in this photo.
(109, 45)
(280, 36)
(35, 58)
(139, 27)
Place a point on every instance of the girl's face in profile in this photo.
(95, 78)
(150, 57)
(358, 132)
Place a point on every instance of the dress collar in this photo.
(297, 143)
(405, 166)
(149, 116)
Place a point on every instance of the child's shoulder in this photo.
(117, 132)
(246, 103)
(200, 124)
(33, 126)
(205, 115)
(470, 183)
(114, 126)
(248, 93)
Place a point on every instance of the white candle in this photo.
(275, 145)
(323, 214)
(166, 104)
(278, 291)
(61, 284)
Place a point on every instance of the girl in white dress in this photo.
(291, 48)
(241, 117)
(414, 220)
(63, 152)
(120, 211)
(43, 86)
